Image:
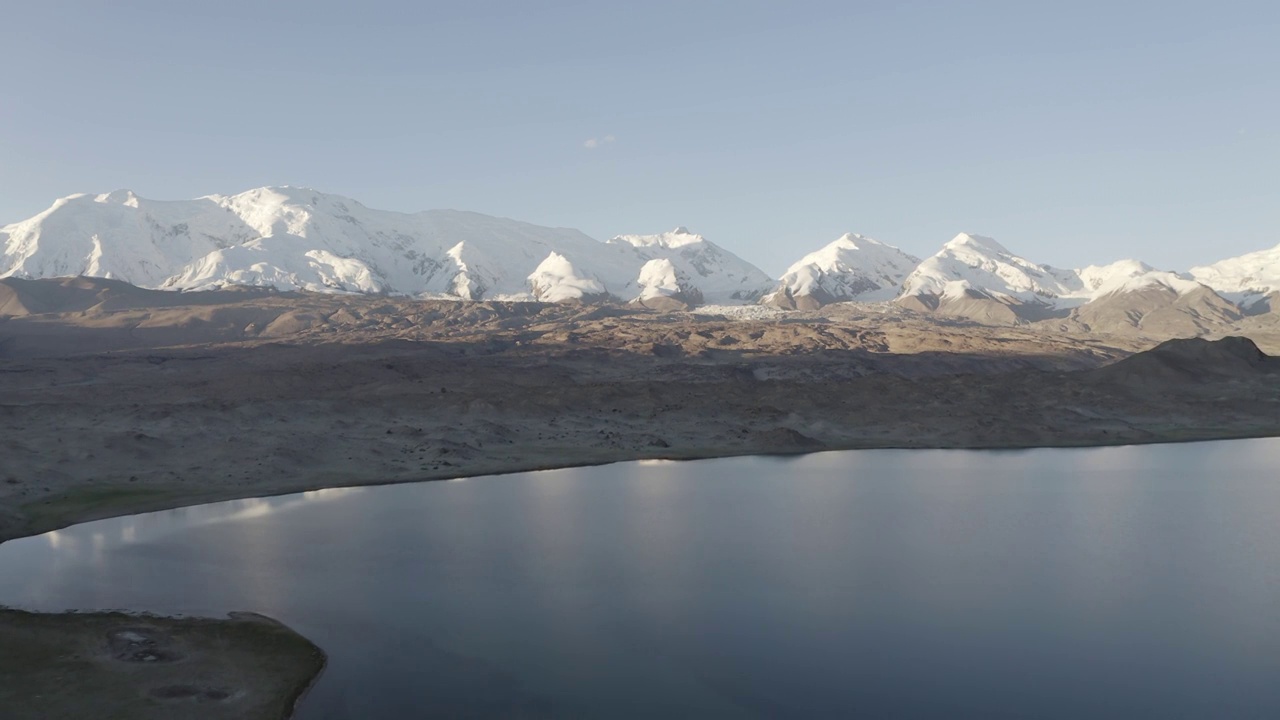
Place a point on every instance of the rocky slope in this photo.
(249, 393)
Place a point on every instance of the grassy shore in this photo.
(136, 667)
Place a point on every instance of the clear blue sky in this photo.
(1073, 132)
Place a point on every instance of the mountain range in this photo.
(299, 239)
(292, 238)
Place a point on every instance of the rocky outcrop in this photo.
(1190, 360)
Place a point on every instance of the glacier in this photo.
(293, 238)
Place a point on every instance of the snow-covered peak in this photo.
(1097, 277)
(661, 278)
(680, 237)
(1132, 276)
(721, 276)
(986, 264)
(855, 241)
(118, 197)
(1158, 279)
(1245, 278)
(300, 238)
(665, 287)
(852, 267)
(117, 235)
(283, 195)
(977, 244)
(281, 261)
(658, 277)
(298, 211)
(557, 280)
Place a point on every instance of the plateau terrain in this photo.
(162, 354)
(118, 399)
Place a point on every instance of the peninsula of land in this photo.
(115, 665)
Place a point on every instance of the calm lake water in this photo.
(1114, 582)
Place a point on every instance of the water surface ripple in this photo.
(1110, 582)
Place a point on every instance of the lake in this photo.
(1107, 582)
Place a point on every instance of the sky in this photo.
(1074, 133)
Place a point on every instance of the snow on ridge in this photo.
(718, 274)
(958, 290)
(1097, 277)
(986, 264)
(660, 278)
(280, 261)
(1244, 278)
(980, 243)
(300, 238)
(1132, 276)
(679, 237)
(557, 280)
(119, 197)
(117, 235)
(852, 267)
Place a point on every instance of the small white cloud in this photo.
(593, 143)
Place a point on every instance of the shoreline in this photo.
(89, 432)
(173, 503)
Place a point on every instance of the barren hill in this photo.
(115, 400)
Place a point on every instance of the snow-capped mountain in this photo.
(971, 276)
(300, 239)
(852, 268)
(1246, 279)
(977, 277)
(556, 280)
(980, 263)
(1125, 276)
(663, 286)
(718, 274)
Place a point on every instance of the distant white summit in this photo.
(719, 275)
(976, 277)
(663, 286)
(852, 268)
(980, 263)
(300, 239)
(971, 275)
(556, 280)
(1248, 279)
